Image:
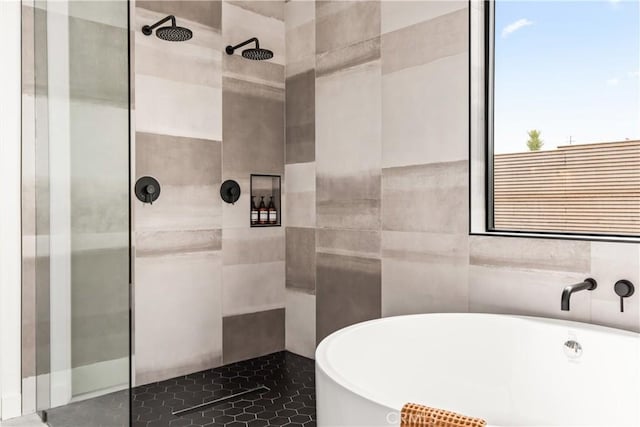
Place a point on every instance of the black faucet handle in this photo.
(624, 289)
(147, 189)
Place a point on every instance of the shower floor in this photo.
(289, 401)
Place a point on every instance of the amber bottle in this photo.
(263, 212)
(254, 211)
(273, 213)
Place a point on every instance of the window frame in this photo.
(481, 197)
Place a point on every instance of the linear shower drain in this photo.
(220, 400)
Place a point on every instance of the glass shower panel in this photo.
(82, 211)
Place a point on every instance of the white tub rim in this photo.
(322, 364)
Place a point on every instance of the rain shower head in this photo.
(171, 33)
(257, 54)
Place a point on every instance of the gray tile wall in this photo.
(300, 169)
(253, 97)
(391, 189)
(348, 164)
(178, 239)
(209, 289)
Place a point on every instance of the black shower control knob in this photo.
(230, 191)
(147, 189)
(624, 289)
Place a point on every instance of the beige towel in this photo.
(414, 415)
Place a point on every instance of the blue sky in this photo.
(567, 68)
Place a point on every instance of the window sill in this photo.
(560, 236)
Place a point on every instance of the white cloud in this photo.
(613, 81)
(633, 74)
(515, 26)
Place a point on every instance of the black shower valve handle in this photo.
(147, 189)
(624, 289)
(230, 191)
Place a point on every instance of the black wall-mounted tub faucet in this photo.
(589, 284)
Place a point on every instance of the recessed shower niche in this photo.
(265, 201)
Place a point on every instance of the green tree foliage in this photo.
(534, 143)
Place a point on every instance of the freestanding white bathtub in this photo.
(509, 370)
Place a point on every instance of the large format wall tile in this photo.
(157, 243)
(253, 269)
(300, 323)
(268, 8)
(364, 243)
(252, 245)
(178, 266)
(395, 15)
(300, 190)
(180, 207)
(253, 117)
(348, 57)
(348, 291)
(300, 209)
(259, 72)
(424, 273)
(300, 117)
(531, 254)
(348, 202)
(178, 315)
(254, 334)
(431, 198)
(440, 37)
(301, 259)
(248, 288)
(202, 11)
(300, 36)
(297, 13)
(175, 108)
(348, 108)
(424, 113)
(348, 147)
(343, 23)
(189, 173)
(179, 160)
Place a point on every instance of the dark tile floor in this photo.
(290, 400)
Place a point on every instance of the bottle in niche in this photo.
(263, 212)
(254, 211)
(273, 213)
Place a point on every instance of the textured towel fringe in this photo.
(414, 415)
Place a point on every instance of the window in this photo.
(559, 85)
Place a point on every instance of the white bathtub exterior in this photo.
(509, 370)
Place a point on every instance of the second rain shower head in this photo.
(171, 33)
(257, 54)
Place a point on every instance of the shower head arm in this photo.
(147, 29)
(230, 49)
